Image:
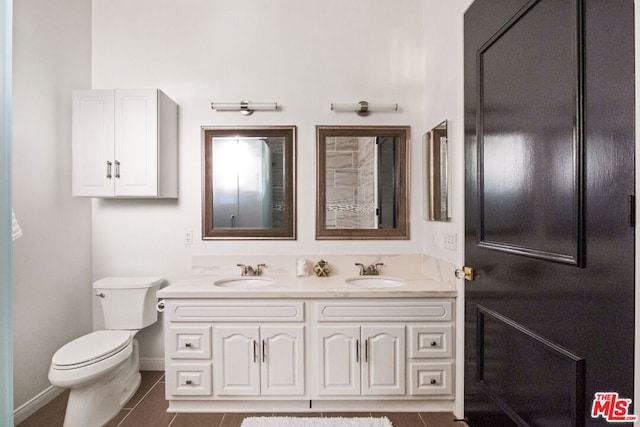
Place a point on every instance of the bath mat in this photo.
(315, 422)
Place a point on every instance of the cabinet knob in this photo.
(433, 381)
(434, 344)
(188, 382)
(188, 345)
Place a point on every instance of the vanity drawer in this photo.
(431, 378)
(189, 342)
(189, 379)
(236, 311)
(385, 310)
(430, 341)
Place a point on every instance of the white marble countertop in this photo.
(288, 286)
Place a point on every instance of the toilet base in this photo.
(94, 404)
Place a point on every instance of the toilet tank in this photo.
(128, 302)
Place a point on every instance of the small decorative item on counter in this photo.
(322, 268)
(302, 268)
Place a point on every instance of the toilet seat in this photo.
(91, 348)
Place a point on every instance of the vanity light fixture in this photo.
(363, 108)
(245, 107)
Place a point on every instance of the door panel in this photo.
(383, 370)
(236, 367)
(549, 157)
(282, 370)
(339, 367)
(526, 138)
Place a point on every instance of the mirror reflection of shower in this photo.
(247, 182)
(361, 182)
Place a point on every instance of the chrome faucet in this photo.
(371, 270)
(247, 270)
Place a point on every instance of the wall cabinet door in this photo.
(124, 144)
(383, 368)
(252, 360)
(236, 360)
(92, 143)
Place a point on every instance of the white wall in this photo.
(303, 54)
(444, 99)
(52, 261)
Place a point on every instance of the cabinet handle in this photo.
(117, 165)
(433, 381)
(264, 351)
(188, 345)
(366, 350)
(255, 351)
(188, 382)
(434, 344)
(357, 351)
(108, 169)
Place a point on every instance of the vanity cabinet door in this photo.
(339, 360)
(236, 361)
(282, 354)
(383, 367)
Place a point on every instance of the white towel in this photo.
(16, 230)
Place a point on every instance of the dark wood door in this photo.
(549, 140)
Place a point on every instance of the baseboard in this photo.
(29, 408)
(151, 364)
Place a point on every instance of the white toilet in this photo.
(101, 368)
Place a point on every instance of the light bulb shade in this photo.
(363, 108)
(246, 107)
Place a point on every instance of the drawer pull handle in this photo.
(434, 344)
(188, 345)
(188, 382)
(433, 381)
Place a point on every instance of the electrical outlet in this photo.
(188, 237)
(450, 241)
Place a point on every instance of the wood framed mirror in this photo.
(362, 182)
(248, 189)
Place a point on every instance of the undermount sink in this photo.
(374, 282)
(244, 282)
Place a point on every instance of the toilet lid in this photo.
(95, 346)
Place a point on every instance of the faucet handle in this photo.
(376, 265)
(259, 269)
(244, 269)
(361, 265)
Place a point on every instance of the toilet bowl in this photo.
(101, 369)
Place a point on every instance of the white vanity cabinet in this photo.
(361, 348)
(124, 144)
(299, 354)
(231, 349)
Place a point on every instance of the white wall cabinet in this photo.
(124, 144)
(252, 360)
(367, 360)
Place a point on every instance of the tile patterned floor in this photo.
(148, 408)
